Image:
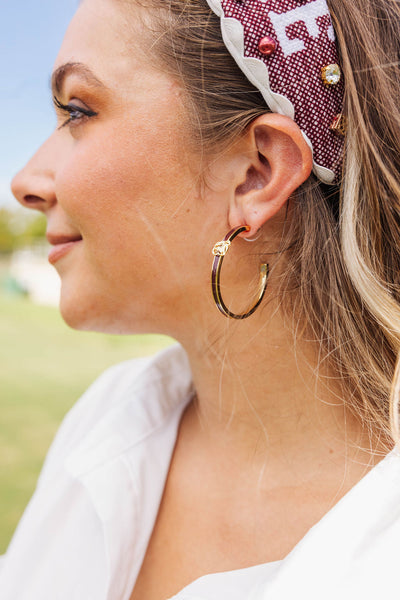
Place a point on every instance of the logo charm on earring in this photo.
(221, 248)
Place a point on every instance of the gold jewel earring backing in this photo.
(219, 251)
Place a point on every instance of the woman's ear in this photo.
(277, 160)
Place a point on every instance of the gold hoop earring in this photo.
(219, 251)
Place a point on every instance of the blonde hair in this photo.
(343, 267)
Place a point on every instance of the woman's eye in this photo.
(75, 113)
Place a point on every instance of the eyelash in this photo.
(72, 110)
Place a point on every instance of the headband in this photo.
(287, 50)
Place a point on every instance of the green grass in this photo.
(44, 368)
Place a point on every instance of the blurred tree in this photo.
(34, 231)
(7, 237)
(18, 230)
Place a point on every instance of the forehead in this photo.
(110, 38)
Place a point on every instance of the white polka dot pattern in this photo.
(290, 78)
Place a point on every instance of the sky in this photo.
(31, 32)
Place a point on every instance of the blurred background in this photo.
(44, 365)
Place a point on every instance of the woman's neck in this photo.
(265, 394)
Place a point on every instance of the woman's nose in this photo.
(33, 186)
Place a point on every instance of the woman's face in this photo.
(118, 183)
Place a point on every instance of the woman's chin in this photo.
(87, 304)
(88, 313)
(75, 316)
(78, 310)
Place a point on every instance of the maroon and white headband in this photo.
(287, 50)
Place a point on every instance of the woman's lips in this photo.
(61, 249)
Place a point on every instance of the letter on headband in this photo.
(287, 49)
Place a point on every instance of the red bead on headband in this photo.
(287, 49)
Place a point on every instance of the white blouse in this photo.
(230, 585)
(84, 533)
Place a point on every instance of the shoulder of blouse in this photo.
(141, 391)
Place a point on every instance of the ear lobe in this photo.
(281, 161)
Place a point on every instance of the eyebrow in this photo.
(74, 68)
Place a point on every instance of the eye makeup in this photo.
(75, 113)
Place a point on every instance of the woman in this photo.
(256, 461)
